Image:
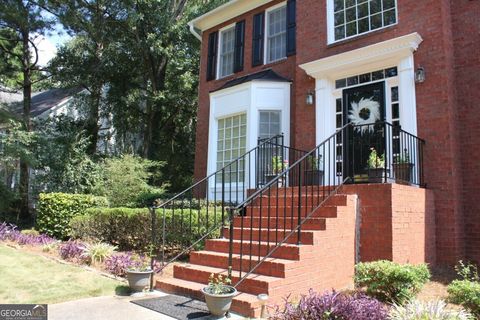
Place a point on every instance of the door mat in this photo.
(177, 307)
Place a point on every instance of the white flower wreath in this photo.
(373, 108)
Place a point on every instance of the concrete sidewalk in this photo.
(110, 308)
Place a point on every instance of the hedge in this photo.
(391, 282)
(131, 229)
(55, 210)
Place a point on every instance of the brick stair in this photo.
(324, 260)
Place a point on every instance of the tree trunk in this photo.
(93, 126)
(24, 186)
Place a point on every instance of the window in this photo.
(354, 17)
(227, 52)
(231, 143)
(276, 34)
(269, 124)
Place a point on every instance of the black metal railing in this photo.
(274, 214)
(185, 221)
(383, 153)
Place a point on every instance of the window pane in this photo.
(339, 18)
(363, 25)
(338, 4)
(351, 14)
(395, 94)
(351, 29)
(271, 127)
(339, 32)
(376, 21)
(375, 6)
(231, 144)
(389, 17)
(227, 47)
(363, 10)
(388, 4)
(276, 34)
(349, 3)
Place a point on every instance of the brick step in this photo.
(285, 251)
(281, 222)
(295, 189)
(244, 303)
(271, 236)
(322, 212)
(253, 284)
(270, 267)
(283, 200)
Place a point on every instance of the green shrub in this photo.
(466, 291)
(391, 282)
(30, 232)
(55, 210)
(125, 180)
(131, 229)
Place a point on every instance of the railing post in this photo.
(154, 242)
(230, 245)
(223, 202)
(163, 238)
(299, 240)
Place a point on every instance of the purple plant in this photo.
(332, 305)
(72, 250)
(10, 232)
(118, 264)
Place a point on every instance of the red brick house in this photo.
(308, 68)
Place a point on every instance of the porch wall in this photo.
(397, 223)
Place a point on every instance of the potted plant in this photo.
(219, 294)
(403, 168)
(376, 167)
(278, 165)
(314, 176)
(138, 275)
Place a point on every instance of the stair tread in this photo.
(254, 258)
(195, 286)
(264, 243)
(235, 274)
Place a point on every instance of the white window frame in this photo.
(331, 23)
(265, 40)
(219, 50)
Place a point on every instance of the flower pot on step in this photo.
(219, 304)
(403, 172)
(270, 177)
(313, 177)
(377, 175)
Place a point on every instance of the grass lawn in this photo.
(28, 278)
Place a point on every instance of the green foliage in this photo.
(375, 161)
(62, 159)
(31, 232)
(125, 179)
(391, 282)
(432, 310)
(98, 252)
(131, 229)
(465, 293)
(55, 210)
(219, 284)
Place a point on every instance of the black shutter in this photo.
(258, 35)
(239, 45)
(291, 27)
(212, 55)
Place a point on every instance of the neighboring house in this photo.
(306, 69)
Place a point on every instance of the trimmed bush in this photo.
(131, 229)
(465, 293)
(391, 282)
(432, 310)
(332, 305)
(55, 210)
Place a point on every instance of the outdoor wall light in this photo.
(420, 75)
(263, 299)
(310, 97)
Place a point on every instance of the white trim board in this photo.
(394, 52)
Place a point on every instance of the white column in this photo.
(406, 95)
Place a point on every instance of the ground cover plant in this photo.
(391, 282)
(332, 305)
(432, 310)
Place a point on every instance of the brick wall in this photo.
(466, 35)
(397, 222)
(447, 111)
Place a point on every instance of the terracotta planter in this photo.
(403, 172)
(219, 304)
(138, 280)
